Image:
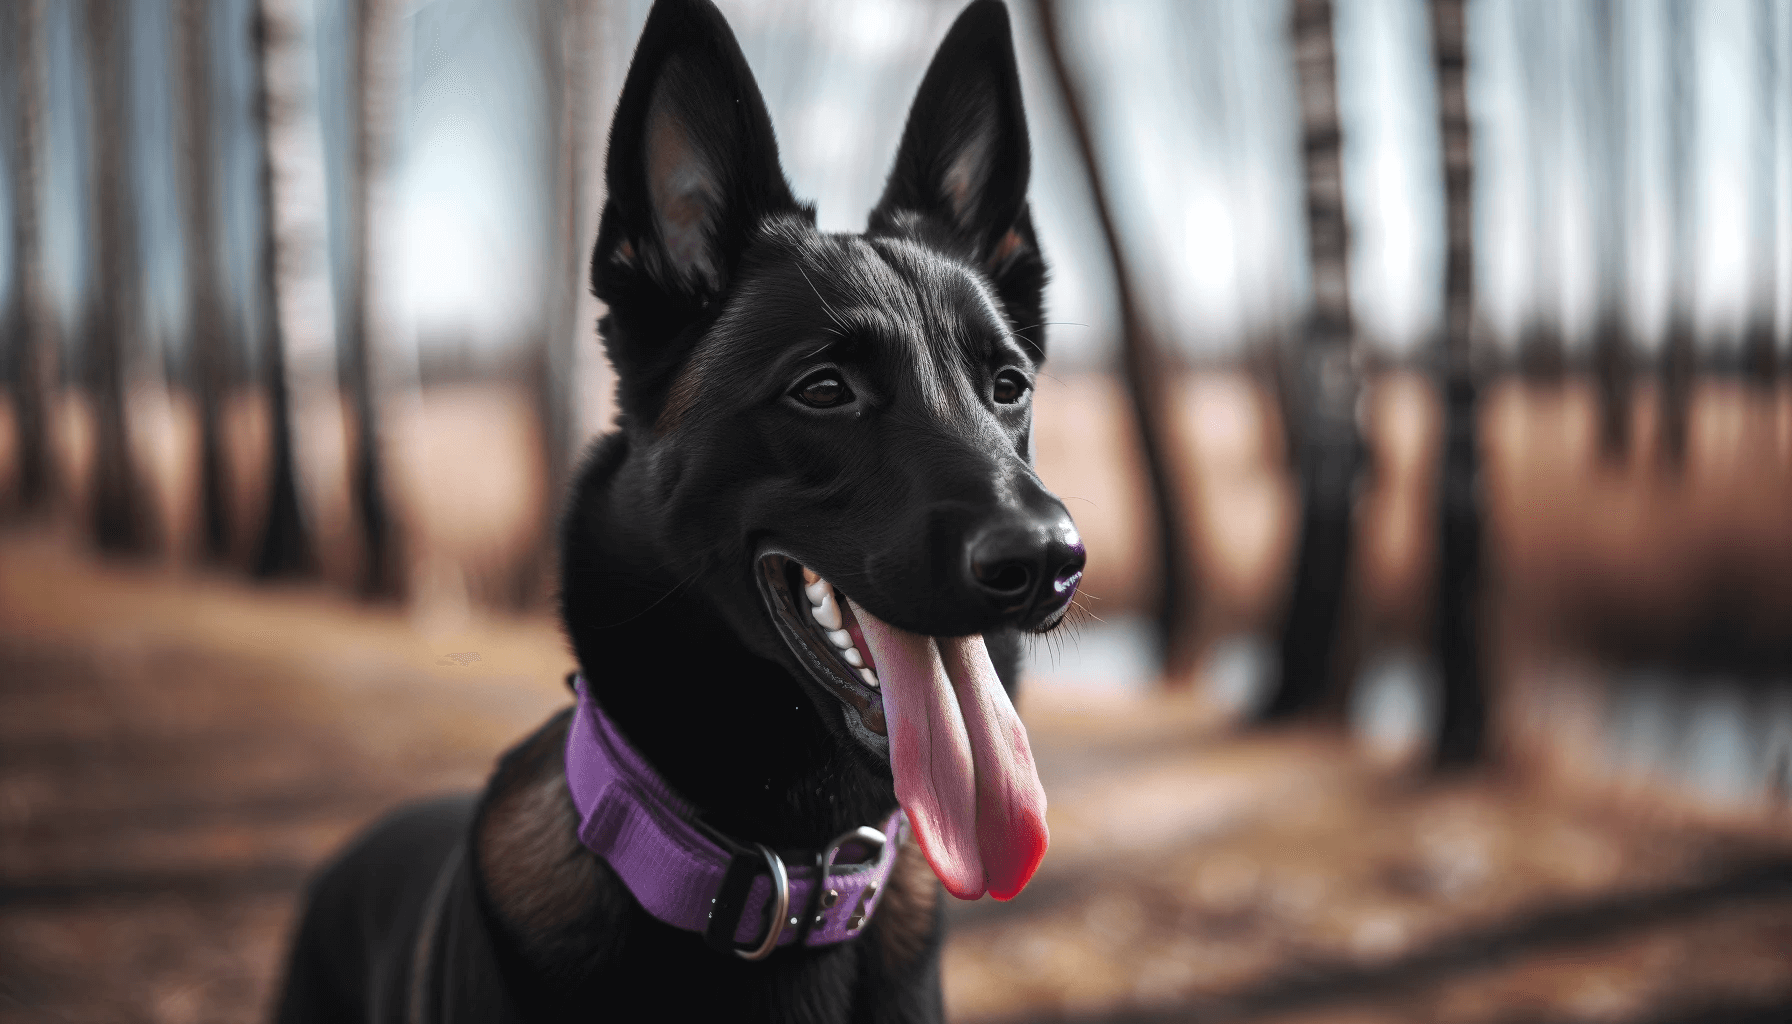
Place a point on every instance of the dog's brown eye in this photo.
(822, 391)
(1010, 387)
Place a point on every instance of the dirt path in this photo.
(176, 755)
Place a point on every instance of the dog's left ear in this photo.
(964, 163)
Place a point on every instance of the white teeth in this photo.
(826, 609)
(827, 613)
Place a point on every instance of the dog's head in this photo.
(837, 426)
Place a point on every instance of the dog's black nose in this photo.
(1029, 565)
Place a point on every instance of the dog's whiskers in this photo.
(1078, 610)
(1049, 323)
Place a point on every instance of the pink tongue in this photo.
(964, 772)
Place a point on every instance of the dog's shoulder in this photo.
(561, 905)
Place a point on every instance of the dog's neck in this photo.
(732, 732)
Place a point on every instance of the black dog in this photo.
(796, 407)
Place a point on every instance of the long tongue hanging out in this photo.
(964, 772)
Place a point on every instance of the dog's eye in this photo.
(1011, 387)
(822, 391)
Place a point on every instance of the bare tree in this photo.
(23, 325)
(565, 38)
(285, 546)
(210, 348)
(1758, 340)
(1461, 733)
(1611, 327)
(1144, 367)
(1677, 355)
(1324, 386)
(120, 511)
(1541, 352)
(571, 56)
(381, 575)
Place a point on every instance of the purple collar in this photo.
(741, 897)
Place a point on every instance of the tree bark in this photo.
(24, 322)
(564, 36)
(1462, 730)
(210, 349)
(1758, 339)
(1611, 327)
(1541, 352)
(120, 513)
(1324, 384)
(1677, 355)
(567, 54)
(382, 575)
(1144, 369)
(285, 547)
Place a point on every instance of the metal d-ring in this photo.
(825, 864)
(864, 834)
(780, 906)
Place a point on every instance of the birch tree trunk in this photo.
(1541, 351)
(565, 48)
(1462, 729)
(120, 511)
(1758, 339)
(1611, 326)
(1323, 419)
(382, 570)
(24, 322)
(210, 347)
(1677, 355)
(285, 546)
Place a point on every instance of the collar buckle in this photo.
(822, 898)
(731, 900)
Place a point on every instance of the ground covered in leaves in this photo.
(177, 753)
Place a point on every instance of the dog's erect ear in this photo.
(964, 156)
(965, 159)
(693, 164)
(692, 172)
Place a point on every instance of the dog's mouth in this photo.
(935, 708)
(819, 625)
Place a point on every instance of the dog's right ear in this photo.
(691, 174)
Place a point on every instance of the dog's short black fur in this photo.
(857, 404)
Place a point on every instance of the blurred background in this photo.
(1418, 377)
